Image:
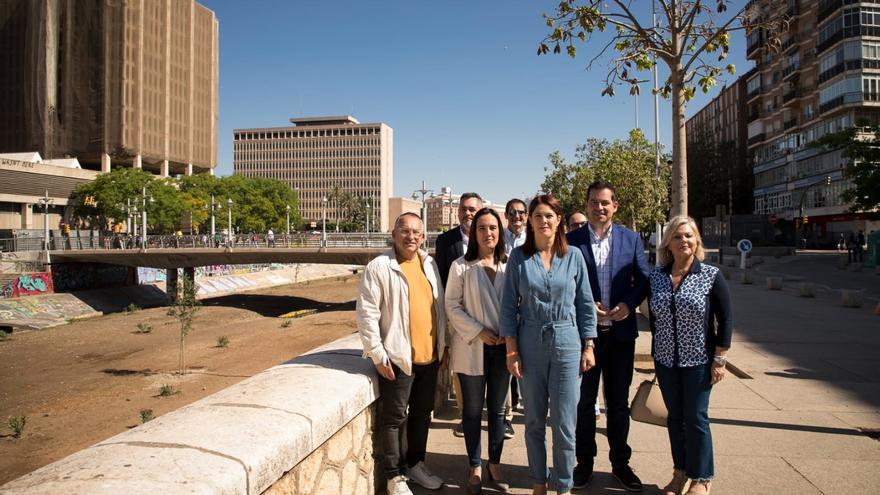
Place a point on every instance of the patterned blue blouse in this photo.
(683, 321)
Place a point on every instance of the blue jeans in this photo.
(686, 394)
(492, 385)
(550, 355)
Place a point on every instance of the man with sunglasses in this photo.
(517, 216)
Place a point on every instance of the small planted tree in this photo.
(184, 309)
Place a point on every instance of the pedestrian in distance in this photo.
(549, 322)
(473, 305)
(618, 271)
(687, 298)
(401, 320)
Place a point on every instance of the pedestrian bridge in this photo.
(192, 257)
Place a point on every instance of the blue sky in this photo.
(471, 104)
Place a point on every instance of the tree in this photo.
(629, 165)
(723, 174)
(687, 33)
(184, 308)
(861, 148)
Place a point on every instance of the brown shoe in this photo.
(701, 487)
(676, 486)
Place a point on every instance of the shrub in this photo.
(144, 328)
(16, 424)
(132, 308)
(286, 323)
(167, 391)
(146, 415)
(222, 341)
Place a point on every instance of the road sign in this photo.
(773, 219)
(744, 246)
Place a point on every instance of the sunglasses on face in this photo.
(521, 213)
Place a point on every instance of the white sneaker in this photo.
(420, 474)
(397, 486)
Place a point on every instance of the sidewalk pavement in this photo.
(802, 419)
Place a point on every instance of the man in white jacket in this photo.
(402, 323)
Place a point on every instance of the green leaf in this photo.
(731, 69)
(572, 51)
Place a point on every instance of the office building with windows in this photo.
(113, 83)
(821, 78)
(318, 155)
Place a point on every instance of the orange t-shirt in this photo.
(423, 334)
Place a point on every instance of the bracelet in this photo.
(512, 353)
(720, 360)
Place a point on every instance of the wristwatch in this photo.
(589, 343)
(720, 360)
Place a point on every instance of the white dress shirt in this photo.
(602, 254)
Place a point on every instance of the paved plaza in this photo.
(802, 419)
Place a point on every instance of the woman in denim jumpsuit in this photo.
(548, 321)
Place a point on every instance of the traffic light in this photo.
(805, 220)
(827, 180)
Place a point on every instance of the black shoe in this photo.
(508, 430)
(627, 478)
(459, 430)
(582, 474)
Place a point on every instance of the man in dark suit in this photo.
(619, 279)
(450, 246)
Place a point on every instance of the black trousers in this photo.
(416, 393)
(614, 362)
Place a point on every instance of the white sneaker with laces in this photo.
(420, 474)
(397, 486)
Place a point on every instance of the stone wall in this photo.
(344, 464)
(303, 427)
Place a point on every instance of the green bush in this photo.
(16, 424)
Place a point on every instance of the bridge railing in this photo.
(76, 240)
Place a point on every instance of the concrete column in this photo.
(189, 169)
(105, 163)
(27, 216)
(137, 162)
(171, 284)
(164, 169)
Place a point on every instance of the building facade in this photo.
(318, 155)
(111, 82)
(823, 77)
(717, 154)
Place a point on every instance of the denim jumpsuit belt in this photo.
(550, 354)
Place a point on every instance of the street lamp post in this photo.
(424, 192)
(46, 201)
(213, 225)
(369, 214)
(324, 222)
(144, 217)
(229, 237)
(287, 209)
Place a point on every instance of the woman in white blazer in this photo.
(477, 351)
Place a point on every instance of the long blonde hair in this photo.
(664, 254)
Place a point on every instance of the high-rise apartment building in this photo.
(127, 83)
(717, 154)
(823, 77)
(318, 154)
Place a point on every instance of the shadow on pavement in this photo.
(274, 306)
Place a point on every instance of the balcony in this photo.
(754, 115)
(791, 69)
(756, 139)
(753, 93)
(788, 124)
(794, 93)
(790, 42)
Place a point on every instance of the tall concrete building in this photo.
(824, 77)
(111, 82)
(717, 154)
(318, 154)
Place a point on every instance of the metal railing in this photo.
(351, 240)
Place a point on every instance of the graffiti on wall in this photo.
(148, 275)
(81, 276)
(32, 284)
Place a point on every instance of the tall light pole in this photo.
(144, 217)
(287, 209)
(369, 212)
(230, 237)
(424, 192)
(324, 222)
(213, 226)
(128, 215)
(46, 201)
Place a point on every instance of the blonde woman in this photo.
(473, 304)
(689, 348)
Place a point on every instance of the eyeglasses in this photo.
(576, 225)
(521, 213)
(410, 232)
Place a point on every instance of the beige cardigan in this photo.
(472, 303)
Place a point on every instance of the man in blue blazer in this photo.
(619, 279)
